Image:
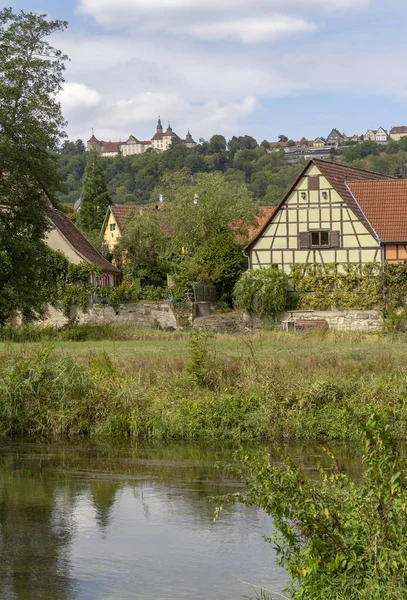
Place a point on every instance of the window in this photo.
(319, 238)
(313, 183)
(112, 226)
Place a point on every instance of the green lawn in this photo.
(265, 344)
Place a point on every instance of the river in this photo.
(89, 521)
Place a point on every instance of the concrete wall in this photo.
(144, 315)
(345, 320)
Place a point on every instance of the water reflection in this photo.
(89, 521)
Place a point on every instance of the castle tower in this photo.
(93, 142)
(189, 140)
(159, 126)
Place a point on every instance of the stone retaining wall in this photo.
(145, 315)
(345, 320)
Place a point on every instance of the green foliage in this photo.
(367, 287)
(271, 386)
(31, 126)
(134, 179)
(219, 205)
(219, 261)
(95, 199)
(338, 538)
(141, 247)
(201, 361)
(324, 287)
(262, 291)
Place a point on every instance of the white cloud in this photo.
(159, 63)
(253, 30)
(75, 96)
(216, 19)
(115, 121)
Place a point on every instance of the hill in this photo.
(133, 179)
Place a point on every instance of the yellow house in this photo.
(319, 220)
(396, 133)
(115, 220)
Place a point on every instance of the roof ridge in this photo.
(338, 164)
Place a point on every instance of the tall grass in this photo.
(229, 388)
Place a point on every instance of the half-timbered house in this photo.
(323, 218)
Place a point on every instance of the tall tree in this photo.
(141, 246)
(95, 199)
(31, 125)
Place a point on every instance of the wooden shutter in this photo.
(304, 239)
(334, 239)
(313, 183)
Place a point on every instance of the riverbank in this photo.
(159, 385)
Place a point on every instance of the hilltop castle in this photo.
(160, 142)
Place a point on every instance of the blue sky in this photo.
(261, 67)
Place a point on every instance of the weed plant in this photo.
(270, 385)
(335, 537)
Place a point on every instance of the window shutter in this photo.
(304, 239)
(334, 239)
(313, 183)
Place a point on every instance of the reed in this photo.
(269, 385)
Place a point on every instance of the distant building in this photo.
(335, 138)
(319, 142)
(160, 142)
(376, 135)
(396, 133)
(370, 135)
(382, 135)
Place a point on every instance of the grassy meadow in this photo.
(151, 384)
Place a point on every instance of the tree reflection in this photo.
(34, 539)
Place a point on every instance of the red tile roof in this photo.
(338, 176)
(263, 216)
(385, 205)
(111, 147)
(78, 241)
(121, 212)
(285, 144)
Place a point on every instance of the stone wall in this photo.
(145, 315)
(345, 320)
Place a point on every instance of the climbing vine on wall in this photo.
(355, 287)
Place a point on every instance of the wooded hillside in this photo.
(133, 179)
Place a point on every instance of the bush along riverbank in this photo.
(289, 386)
(335, 537)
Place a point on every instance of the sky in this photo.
(231, 67)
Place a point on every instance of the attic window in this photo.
(313, 183)
(319, 238)
(112, 226)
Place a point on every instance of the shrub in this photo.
(335, 537)
(262, 291)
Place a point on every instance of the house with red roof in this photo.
(64, 236)
(333, 213)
